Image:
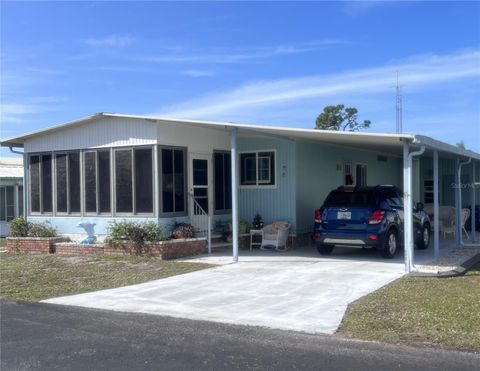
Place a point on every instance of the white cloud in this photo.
(14, 112)
(197, 73)
(113, 41)
(242, 55)
(416, 72)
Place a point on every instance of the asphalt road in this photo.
(38, 336)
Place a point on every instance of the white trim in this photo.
(257, 185)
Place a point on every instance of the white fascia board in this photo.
(445, 147)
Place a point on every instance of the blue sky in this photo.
(267, 63)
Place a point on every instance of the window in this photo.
(172, 180)
(257, 168)
(40, 170)
(90, 181)
(96, 174)
(347, 174)
(67, 182)
(143, 181)
(134, 180)
(361, 175)
(20, 200)
(3, 204)
(7, 203)
(223, 179)
(428, 191)
(123, 181)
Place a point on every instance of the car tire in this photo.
(390, 247)
(324, 249)
(424, 238)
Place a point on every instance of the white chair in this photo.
(465, 216)
(276, 235)
(447, 220)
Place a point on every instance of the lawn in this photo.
(420, 311)
(37, 277)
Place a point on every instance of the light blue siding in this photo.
(272, 203)
(320, 169)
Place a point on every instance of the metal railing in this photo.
(202, 222)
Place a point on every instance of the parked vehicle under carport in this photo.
(367, 217)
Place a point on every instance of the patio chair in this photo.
(276, 235)
(447, 220)
(465, 216)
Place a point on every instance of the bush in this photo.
(44, 229)
(138, 233)
(19, 227)
(183, 230)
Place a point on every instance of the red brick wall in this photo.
(166, 250)
(33, 245)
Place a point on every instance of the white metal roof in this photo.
(11, 167)
(382, 142)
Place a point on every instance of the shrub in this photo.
(19, 227)
(44, 229)
(138, 233)
(183, 230)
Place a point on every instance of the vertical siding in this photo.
(272, 203)
(102, 132)
(320, 169)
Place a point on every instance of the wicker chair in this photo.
(276, 235)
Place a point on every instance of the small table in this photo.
(255, 232)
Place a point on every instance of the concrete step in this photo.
(221, 245)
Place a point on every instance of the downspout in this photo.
(459, 180)
(410, 226)
(24, 180)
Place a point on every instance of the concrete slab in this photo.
(305, 293)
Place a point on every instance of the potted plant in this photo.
(257, 222)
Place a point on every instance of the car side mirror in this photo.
(420, 206)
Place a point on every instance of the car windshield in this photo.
(350, 198)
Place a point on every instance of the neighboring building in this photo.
(11, 191)
(112, 167)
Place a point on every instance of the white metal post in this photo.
(233, 145)
(457, 191)
(407, 200)
(436, 208)
(473, 195)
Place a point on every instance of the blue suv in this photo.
(367, 217)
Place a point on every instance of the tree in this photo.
(461, 145)
(340, 118)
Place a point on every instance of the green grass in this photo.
(37, 277)
(420, 311)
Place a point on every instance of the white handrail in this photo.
(204, 221)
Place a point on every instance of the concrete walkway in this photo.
(295, 290)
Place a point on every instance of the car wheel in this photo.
(424, 238)
(391, 245)
(325, 249)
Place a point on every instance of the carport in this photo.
(405, 147)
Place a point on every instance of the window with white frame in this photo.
(67, 182)
(173, 180)
(96, 173)
(361, 175)
(7, 203)
(134, 181)
(257, 168)
(40, 180)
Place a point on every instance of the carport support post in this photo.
(436, 209)
(233, 145)
(458, 207)
(473, 191)
(407, 203)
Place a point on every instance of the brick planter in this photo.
(33, 245)
(69, 248)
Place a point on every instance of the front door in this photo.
(199, 189)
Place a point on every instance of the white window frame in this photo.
(355, 180)
(258, 184)
(349, 164)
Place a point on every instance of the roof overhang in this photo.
(380, 142)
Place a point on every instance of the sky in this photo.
(270, 63)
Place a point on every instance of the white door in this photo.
(200, 175)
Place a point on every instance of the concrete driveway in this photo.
(296, 290)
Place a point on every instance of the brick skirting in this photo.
(33, 245)
(166, 250)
